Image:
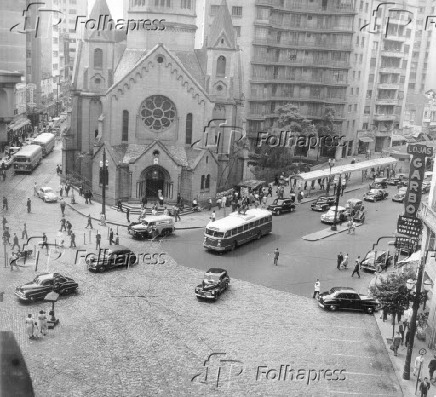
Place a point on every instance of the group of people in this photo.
(15, 242)
(38, 327)
(342, 263)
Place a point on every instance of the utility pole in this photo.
(103, 183)
(338, 194)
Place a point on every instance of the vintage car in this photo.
(47, 195)
(376, 261)
(329, 216)
(355, 210)
(348, 300)
(379, 183)
(114, 257)
(6, 162)
(400, 179)
(278, 206)
(323, 203)
(375, 195)
(214, 283)
(152, 226)
(43, 284)
(334, 289)
(399, 196)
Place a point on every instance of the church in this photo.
(168, 117)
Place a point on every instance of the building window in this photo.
(365, 126)
(55, 40)
(237, 11)
(238, 31)
(97, 81)
(55, 54)
(28, 69)
(366, 110)
(188, 138)
(221, 66)
(98, 58)
(207, 182)
(186, 4)
(125, 131)
(202, 183)
(214, 10)
(55, 66)
(157, 112)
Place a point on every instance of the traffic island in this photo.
(328, 232)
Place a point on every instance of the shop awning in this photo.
(19, 124)
(366, 139)
(398, 138)
(346, 168)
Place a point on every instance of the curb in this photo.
(345, 191)
(328, 235)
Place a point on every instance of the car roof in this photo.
(216, 270)
(157, 218)
(340, 208)
(342, 289)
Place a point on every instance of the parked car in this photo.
(279, 206)
(151, 226)
(348, 300)
(355, 210)
(329, 216)
(43, 284)
(334, 289)
(376, 261)
(47, 195)
(214, 283)
(7, 161)
(323, 203)
(400, 179)
(399, 196)
(426, 186)
(379, 183)
(114, 257)
(375, 195)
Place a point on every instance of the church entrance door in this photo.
(154, 179)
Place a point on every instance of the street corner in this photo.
(322, 234)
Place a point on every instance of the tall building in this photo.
(147, 100)
(298, 52)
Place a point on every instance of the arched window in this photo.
(221, 66)
(98, 58)
(202, 182)
(189, 128)
(125, 131)
(207, 183)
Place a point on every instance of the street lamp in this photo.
(338, 194)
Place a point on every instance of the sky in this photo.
(115, 6)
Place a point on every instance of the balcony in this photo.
(388, 86)
(390, 69)
(428, 216)
(384, 117)
(302, 62)
(296, 97)
(386, 101)
(392, 53)
(299, 80)
(392, 37)
(308, 7)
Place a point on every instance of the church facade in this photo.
(167, 116)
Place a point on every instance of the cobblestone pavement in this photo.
(141, 331)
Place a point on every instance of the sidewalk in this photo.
(408, 386)
(328, 232)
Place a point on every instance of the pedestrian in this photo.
(213, 216)
(41, 320)
(177, 214)
(89, 224)
(343, 186)
(13, 261)
(5, 203)
(16, 243)
(97, 240)
(90, 196)
(179, 199)
(44, 242)
(269, 191)
(111, 236)
(120, 206)
(69, 227)
(432, 367)
(327, 189)
(128, 214)
(63, 205)
(4, 222)
(340, 259)
(166, 212)
(24, 233)
(396, 343)
(73, 240)
(316, 289)
(276, 256)
(401, 331)
(6, 235)
(30, 324)
(63, 225)
(351, 226)
(334, 189)
(29, 205)
(344, 264)
(356, 267)
(117, 239)
(423, 387)
(35, 190)
(67, 189)
(81, 190)
(61, 191)
(209, 201)
(419, 362)
(299, 197)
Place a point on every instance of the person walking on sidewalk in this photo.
(299, 197)
(419, 362)
(63, 224)
(67, 189)
(69, 227)
(13, 261)
(423, 387)
(24, 233)
(316, 289)
(97, 240)
(29, 205)
(16, 242)
(128, 214)
(63, 206)
(44, 242)
(356, 267)
(213, 216)
(120, 206)
(5, 203)
(73, 240)
(396, 343)
(432, 367)
(30, 323)
(35, 190)
(276, 256)
(89, 222)
(340, 259)
(61, 191)
(4, 222)
(344, 264)
(111, 236)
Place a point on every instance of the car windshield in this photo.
(211, 277)
(38, 280)
(373, 191)
(48, 190)
(278, 202)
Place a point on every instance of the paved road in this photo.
(300, 262)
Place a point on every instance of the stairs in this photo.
(135, 209)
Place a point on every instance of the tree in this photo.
(327, 128)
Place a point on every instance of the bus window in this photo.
(234, 231)
(251, 225)
(219, 234)
(209, 232)
(261, 221)
(270, 218)
(240, 229)
(256, 223)
(246, 227)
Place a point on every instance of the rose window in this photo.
(157, 112)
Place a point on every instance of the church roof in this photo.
(190, 60)
(99, 11)
(222, 24)
(128, 60)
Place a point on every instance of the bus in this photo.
(228, 233)
(27, 159)
(46, 141)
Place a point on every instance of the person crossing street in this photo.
(97, 240)
(73, 240)
(276, 256)
(340, 259)
(16, 242)
(63, 205)
(317, 288)
(356, 267)
(89, 224)
(29, 206)
(63, 225)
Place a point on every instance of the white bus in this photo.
(236, 229)
(46, 141)
(27, 159)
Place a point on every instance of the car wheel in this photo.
(333, 308)
(278, 212)
(32, 299)
(101, 269)
(370, 310)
